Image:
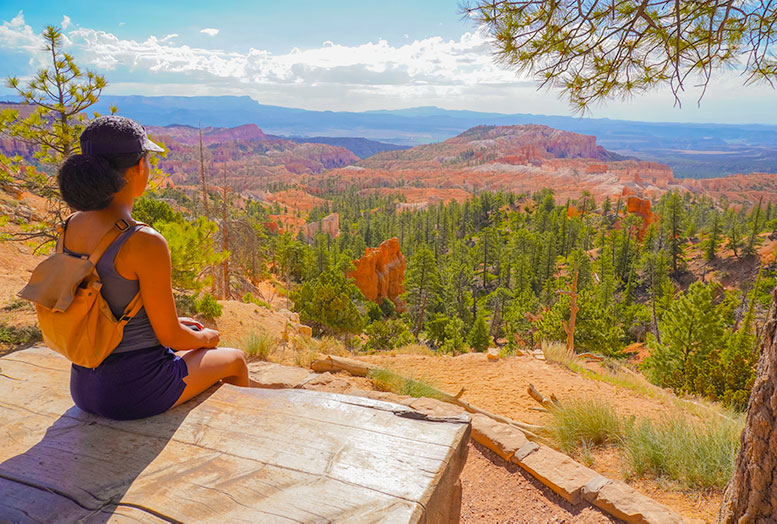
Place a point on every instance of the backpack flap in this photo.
(54, 282)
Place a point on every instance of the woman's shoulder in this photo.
(146, 241)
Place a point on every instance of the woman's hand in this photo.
(188, 321)
(212, 337)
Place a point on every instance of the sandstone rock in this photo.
(641, 208)
(276, 376)
(492, 354)
(330, 225)
(380, 273)
(500, 438)
(626, 503)
(434, 407)
(332, 383)
(557, 471)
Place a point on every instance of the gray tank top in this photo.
(118, 292)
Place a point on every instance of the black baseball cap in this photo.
(115, 135)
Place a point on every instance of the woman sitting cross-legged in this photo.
(162, 360)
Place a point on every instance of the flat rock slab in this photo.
(277, 376)
(232, 455)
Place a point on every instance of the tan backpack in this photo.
(74, 318)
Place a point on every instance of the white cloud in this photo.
(16, 34)
(65, 22)
(457, 74)
(210, 31)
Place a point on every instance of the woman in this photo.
(143, 376)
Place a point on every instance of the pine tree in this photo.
(60, 96)
(692, 329)
(478, 336)
(422, 285)
(713, 239)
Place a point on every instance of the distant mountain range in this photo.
(691, 150)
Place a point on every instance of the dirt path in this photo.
(496, 491)
(500, 386)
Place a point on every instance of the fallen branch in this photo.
(541, 400)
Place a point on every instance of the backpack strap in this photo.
(112, 234)
(132, 309)
(61, 240)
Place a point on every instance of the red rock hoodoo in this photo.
(641, 208)
(380, 273)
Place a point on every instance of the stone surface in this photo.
(500, 438)
(626, 503)
(231, 455)
(380, 273)
(557, 471)
(276, 376)
(430, 406)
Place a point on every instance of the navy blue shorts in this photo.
(135, 384)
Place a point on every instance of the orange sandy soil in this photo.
(501, 387)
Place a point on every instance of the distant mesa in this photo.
(380, 273)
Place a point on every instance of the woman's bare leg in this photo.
(208, 366)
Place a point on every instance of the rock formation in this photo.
(380, 273)
(641, 208)
(330, 225)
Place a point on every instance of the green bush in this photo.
(386, 335)
(249, 298)
(478, 337)
(185, 305)
(207, 307)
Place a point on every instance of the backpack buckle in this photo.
(122, 225)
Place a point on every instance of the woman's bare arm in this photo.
(147, 256)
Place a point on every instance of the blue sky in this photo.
(335, 55)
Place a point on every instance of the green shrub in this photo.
(208, 308)
(478, 337)
(249, 298)
(386, 335)
(185, 305)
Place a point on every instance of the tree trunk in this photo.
(751, 495)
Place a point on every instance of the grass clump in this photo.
(18, 336)
(559, 353)
(17, 304)
(584, 423)
(309, 349)
(258, 346)
(387, 380)
(697, 455)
